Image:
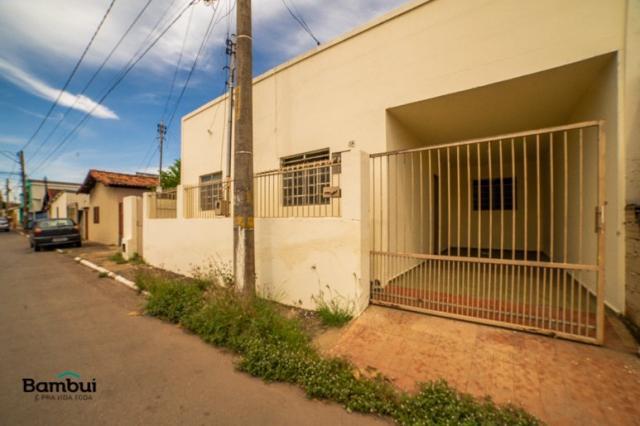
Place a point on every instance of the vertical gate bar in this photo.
(490, 200)
(372, 204)
(580, 225)
(565, 229)
(388, 204)
(527, 283)
(538, 230)
(479, 202)
(421, 173)
(397, 217)
(551, 220)
(458, 208)
(383, 247)
(468, 254)
(601, 234)
(430, 181)
(439, 224)
(448, 250)
(514, 191)
(502, 270)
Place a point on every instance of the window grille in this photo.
(210, 190)
(303, 181)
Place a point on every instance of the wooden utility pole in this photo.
(243, 224)
(162, 130)
(25, 195)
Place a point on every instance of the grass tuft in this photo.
(117, 258)
(277, 349)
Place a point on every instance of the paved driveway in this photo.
(561, 382)
(56, 316)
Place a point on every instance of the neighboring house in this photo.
(41, 190)
(445, 158)
(105, 190)
(69, 205)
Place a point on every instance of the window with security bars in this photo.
(489, 194)
(210, 190)
(302, 181)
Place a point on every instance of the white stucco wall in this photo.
(296, 258)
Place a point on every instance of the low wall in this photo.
(297, 259)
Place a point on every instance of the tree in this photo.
(170, 178)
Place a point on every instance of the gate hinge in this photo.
(599, 218)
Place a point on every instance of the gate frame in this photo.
(600, 227)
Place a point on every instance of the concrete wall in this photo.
(296, 258)
(132, 227)
(633, 265)
(107, 198)
(342, 91)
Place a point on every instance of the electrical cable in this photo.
(73, 72)
(114, 85)
(93, 77)
(301, 22)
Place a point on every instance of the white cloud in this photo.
(39, 88)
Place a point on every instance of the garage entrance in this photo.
(498, 230)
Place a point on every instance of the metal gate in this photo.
(497, 230)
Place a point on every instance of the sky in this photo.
(41, 42)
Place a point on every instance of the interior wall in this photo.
(600, 103)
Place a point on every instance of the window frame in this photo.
(304, 176)
(96, 215)
(210, 190)
(481, 200)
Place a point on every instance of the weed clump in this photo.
(277, 349)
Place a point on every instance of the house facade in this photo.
(41, 192)
(103, 219)
(69, 205)
(445, 158)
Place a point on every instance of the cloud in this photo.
(39, 88)
(11, 140)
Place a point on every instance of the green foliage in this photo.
(117, 258)
(103, 274)
(136, 259)
(276, 348)
(334, 311)
(170, 178)
(172, 300)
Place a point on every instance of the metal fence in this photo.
(207, 201)
(306, 190)
(497, 230)
(162, 205)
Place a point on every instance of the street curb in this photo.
(116, 277)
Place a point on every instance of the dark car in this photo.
(54, 232)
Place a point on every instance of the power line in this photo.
(73, 72)
(207, 33)
(175, 73)
(93, 77)
(113, 86)
(300, 20)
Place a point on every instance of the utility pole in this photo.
(162, 130)
(25, 196)
(243, 224)
(7, 192)
(231, 52)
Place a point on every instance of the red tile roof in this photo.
(117, 179)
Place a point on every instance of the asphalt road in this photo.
(57, 316)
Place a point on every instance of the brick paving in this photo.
(560, 382)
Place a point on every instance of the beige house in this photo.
(69, 205)
(103, 215)
(41, 192)
(472, 162)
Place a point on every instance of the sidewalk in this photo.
(561, 382)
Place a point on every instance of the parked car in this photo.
(54, 232)
(4, 224)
